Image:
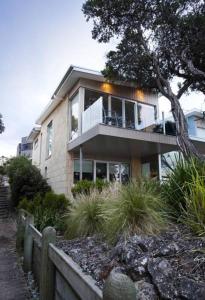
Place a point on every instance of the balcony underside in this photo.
(104, 140)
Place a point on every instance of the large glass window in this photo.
(49, 138)
(116, 112)
(87, 170)
(92, 96)
(74, 116)
(129, 115)
(114, 172)
(101, 170)
(125, 173)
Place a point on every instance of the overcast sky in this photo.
(39, 40)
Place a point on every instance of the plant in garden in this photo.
(25, 179)
(193, 213)
(177, 186)
(85, 217)
(48, 210)
(136, 208)
(86, 186)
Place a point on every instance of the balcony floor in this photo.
(105, 140)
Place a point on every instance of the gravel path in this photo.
(12, 281)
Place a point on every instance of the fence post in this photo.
(119, 286)
(28, 244)
(47, 277)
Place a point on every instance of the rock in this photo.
(146, 291)
(119, 287)
(190, 289)
(163, 277)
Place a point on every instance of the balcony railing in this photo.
(140, 117)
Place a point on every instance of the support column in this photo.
(160, 167)
(81, 163)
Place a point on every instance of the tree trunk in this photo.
(185, 144)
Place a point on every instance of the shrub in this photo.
(86, 186)
(136, 208)
(193, 215)
(25, 179)
(177, 186)
(85, 217)
(48, 210)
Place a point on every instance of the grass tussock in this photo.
(175, 190)
(138, 208)
(85, 217)
(193, 214)
(134, 208)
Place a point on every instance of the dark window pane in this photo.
(116, 112)
(101, 170)
(129, 115)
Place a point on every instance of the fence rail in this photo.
(58, 276)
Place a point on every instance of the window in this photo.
(92, 96)
(129, 115)
(114, 172)
(101, 170)
(36, 144)
(49, 138)
(74, 116)
(87, 170)
(116, 112)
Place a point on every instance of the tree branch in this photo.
(184, 88)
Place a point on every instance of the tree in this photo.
(25, 179)
(159, 40)
(2, 127)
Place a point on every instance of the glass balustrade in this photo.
(119, 113)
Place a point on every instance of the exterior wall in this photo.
(196, 127)
(58, 163)
(36, 151)
(135, 168)
(117, 90)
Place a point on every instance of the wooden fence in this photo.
(57, 275)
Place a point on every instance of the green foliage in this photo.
(47, 210)
(137, 208)
(85, 217)
(193, 214)
(86, 186)
(177, 187)
(25, 179)
(134, 208)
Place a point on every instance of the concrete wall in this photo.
(57, 164)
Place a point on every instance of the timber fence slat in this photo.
(83, 284)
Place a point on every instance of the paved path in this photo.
(12, 280)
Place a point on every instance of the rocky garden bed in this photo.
(167, 266)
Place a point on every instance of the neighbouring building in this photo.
(93, 129)
(25, 148)
(196, 128)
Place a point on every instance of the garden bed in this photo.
(167, 266)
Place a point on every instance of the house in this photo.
(196, 128)
(93, 129)
(25, 148)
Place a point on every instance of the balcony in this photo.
(124, 114)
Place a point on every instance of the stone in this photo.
(190, 289)
(119, 286)
(146, 291)
(163, 277)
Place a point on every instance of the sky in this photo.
(40, 39)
